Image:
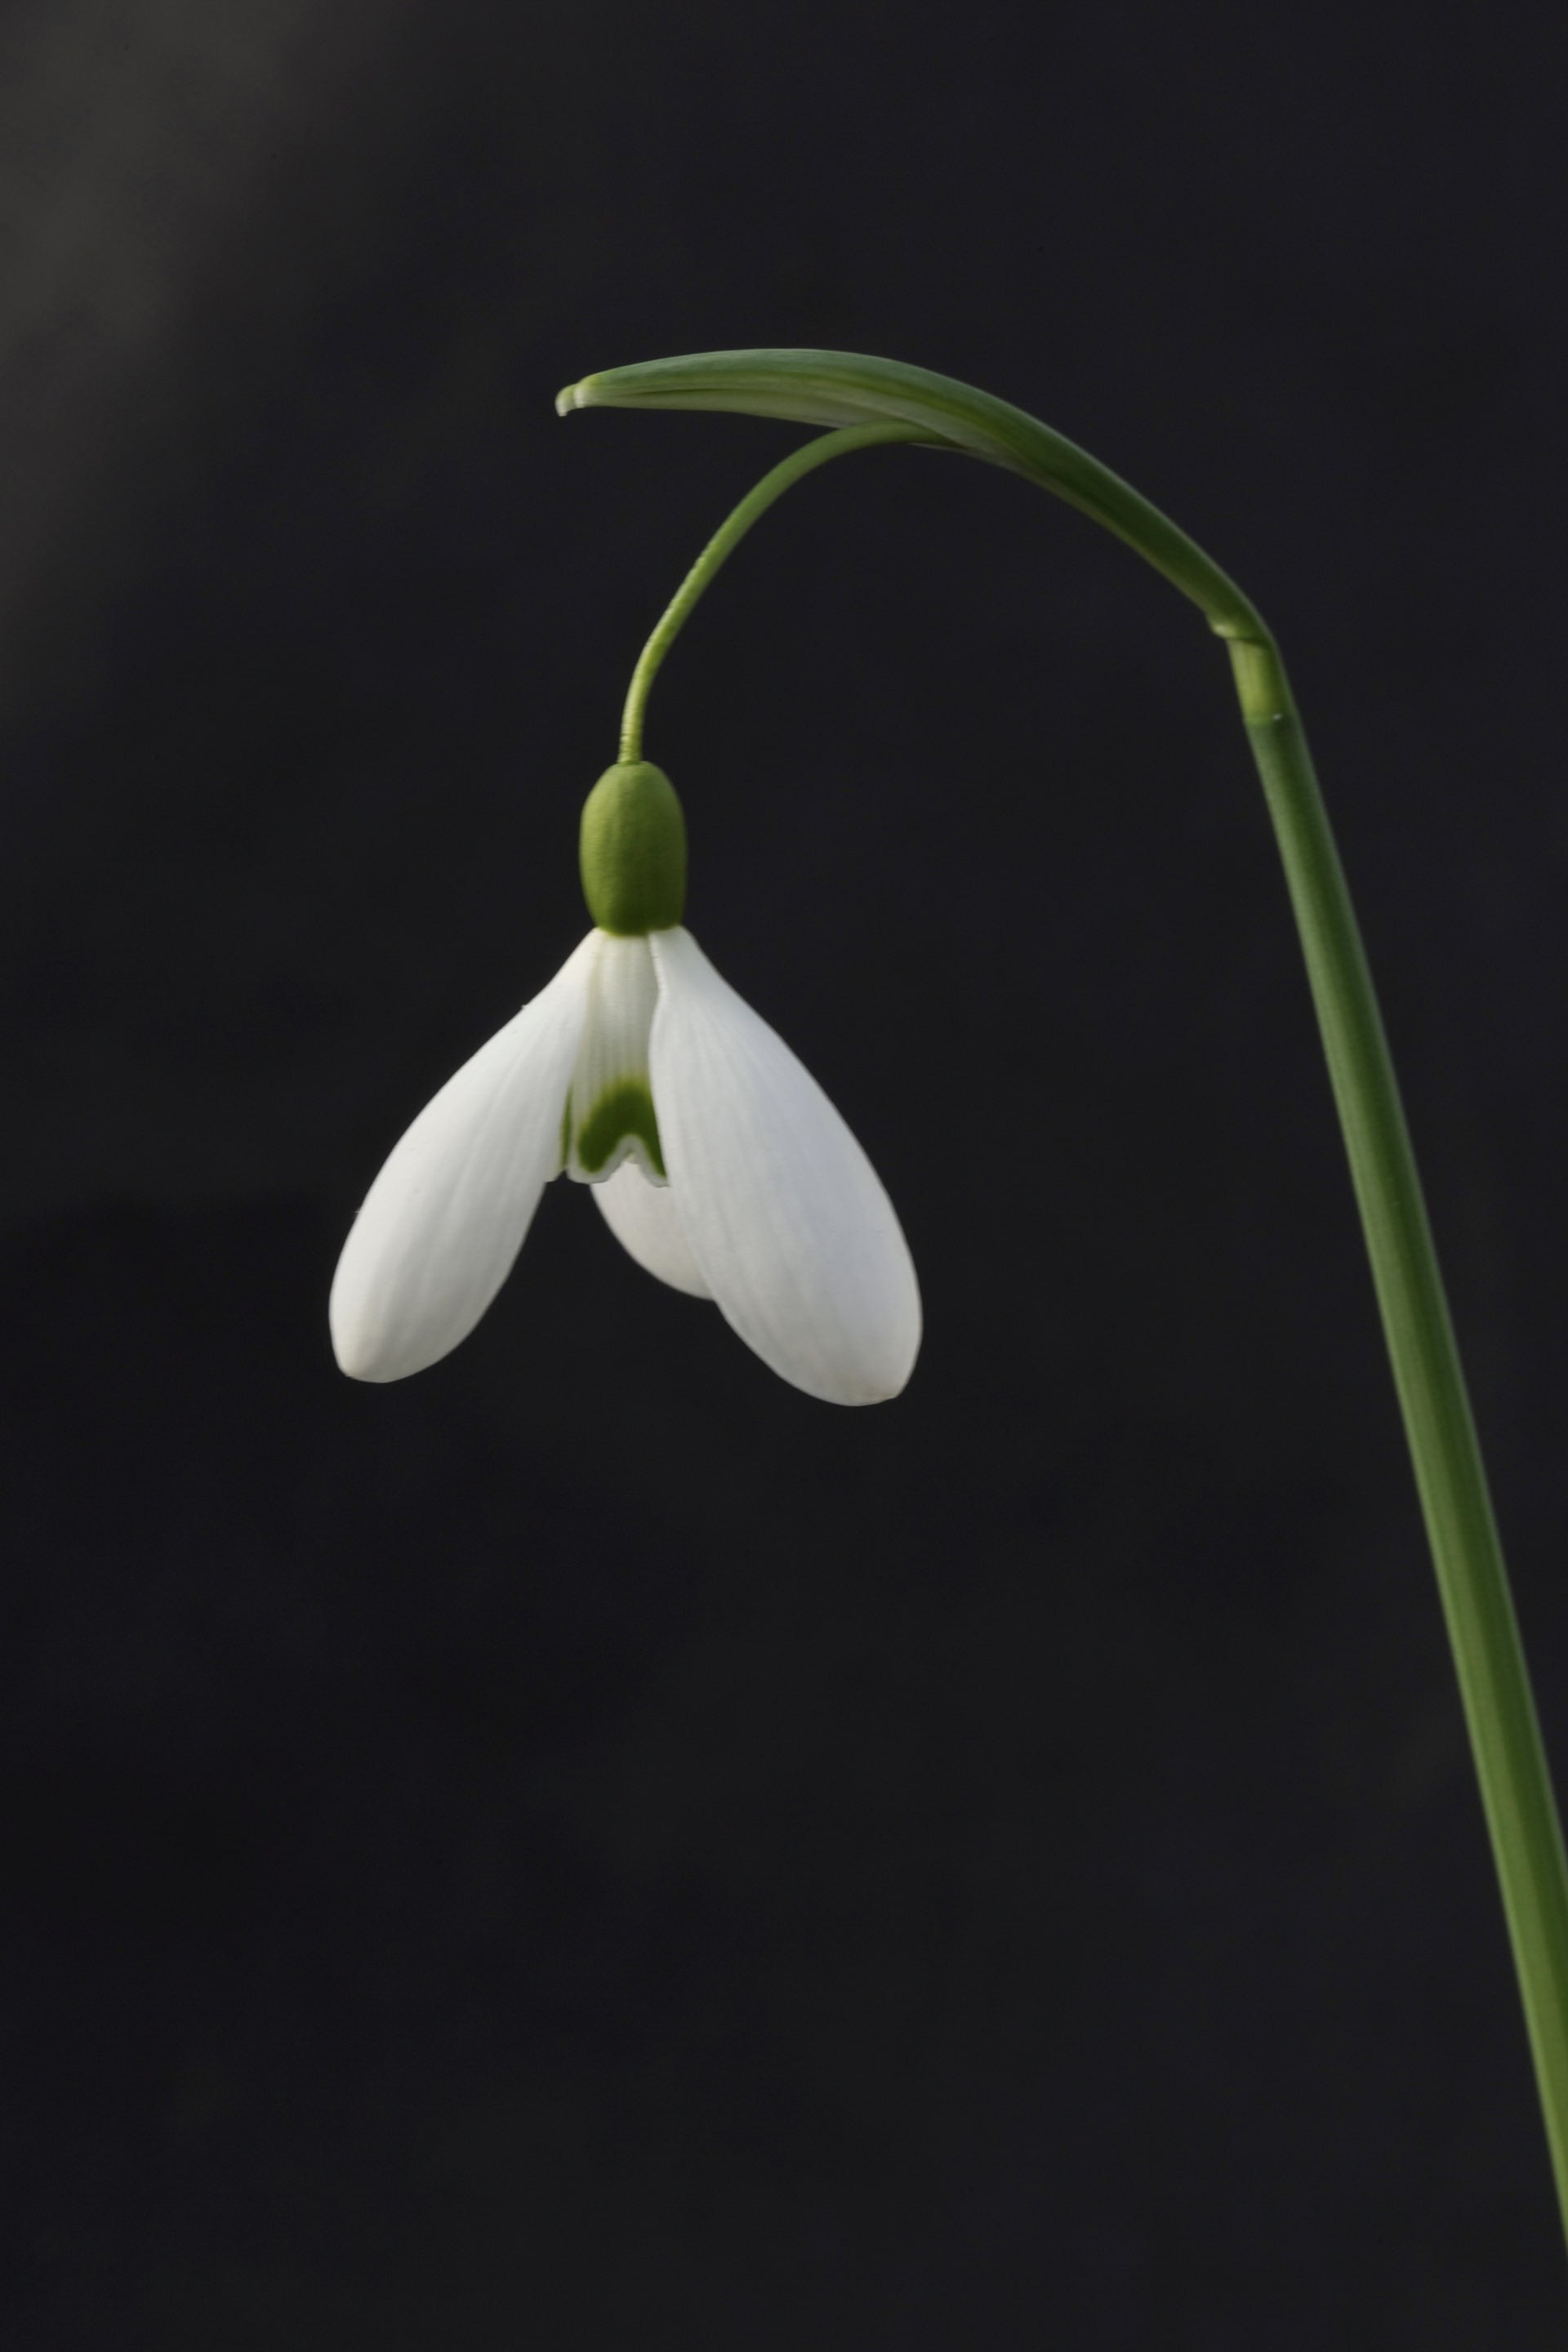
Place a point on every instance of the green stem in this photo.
(725, 540)
(847, 389)
(1450, 1476)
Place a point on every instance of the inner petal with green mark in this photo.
(609, 1109)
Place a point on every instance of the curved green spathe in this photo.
(851, 388)
(633, 850)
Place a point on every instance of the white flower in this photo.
(718, 1161)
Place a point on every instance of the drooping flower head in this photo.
(716, 1159)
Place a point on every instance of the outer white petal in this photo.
(446, 1217)
(645, 1221)
(784, 1213)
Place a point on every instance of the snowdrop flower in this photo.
(717, 1160)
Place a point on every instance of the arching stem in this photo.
(849, 389)
(725, 540)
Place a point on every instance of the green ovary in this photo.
(626, 1108)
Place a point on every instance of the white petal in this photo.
(446, 1217)
(612, 1104)
(644, 1220)
(784, 1213)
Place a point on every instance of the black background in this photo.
(589, 1847)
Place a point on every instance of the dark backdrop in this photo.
(591, 1848)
